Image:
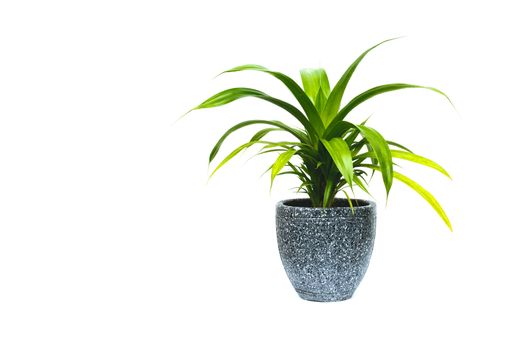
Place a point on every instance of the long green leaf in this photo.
(262, 133)
(373, 159)
(227, 96)
(407, 156)
(232, 154)
(284, 144)
(356, 147)
(320, 101)
(392, 143)
(382, 151)
(338, 129)
(280, 163)
(420, 160)
(264, 151)
(342, 157)
(349, 201)
(314, 79)
(327, 198)
(422, 192)
(295, 132)
(305, 102)
(368, 94)
(230, 95)
(360, 184)
(426, 195)
(334, 99)
(316, 85)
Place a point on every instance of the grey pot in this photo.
(325, 251)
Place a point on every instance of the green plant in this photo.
(331, 153)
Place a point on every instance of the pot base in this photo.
(323, 297)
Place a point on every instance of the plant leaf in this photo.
(295, 132)
(373, 159)
(230, 95)
(231, 155)
(356, 101)
(281, 161)
(349, 201)
(284, 144)
(227, 96)
(342, 157)
(338, 129)
(316, 85)
(361, 185)
(382, 151)
(426, 195)
(305, 102)
(421, 191)
(262, 133)
(320, 101)
(327, 191)
(334, 99)
(399, 146)
(420, 160)
(264, 151)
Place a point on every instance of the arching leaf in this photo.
(231, 155)
(227, 96)
(334, 99)
(295, 132)
(342, 157)
(392, 143)
(280, 163)
(382, 151)
(305, 102)
(368, 94)
(426, 195)
(421, 191)
(420, 160)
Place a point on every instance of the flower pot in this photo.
(325, 251)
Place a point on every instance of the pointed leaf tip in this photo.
(333, 102)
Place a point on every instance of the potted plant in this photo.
(325, 242)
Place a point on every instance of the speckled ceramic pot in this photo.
(325, 251)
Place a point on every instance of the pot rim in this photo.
(284, 209)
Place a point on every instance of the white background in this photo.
(111, 239)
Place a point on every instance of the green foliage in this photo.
(328, 154)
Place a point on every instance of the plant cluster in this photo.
(328, 154)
